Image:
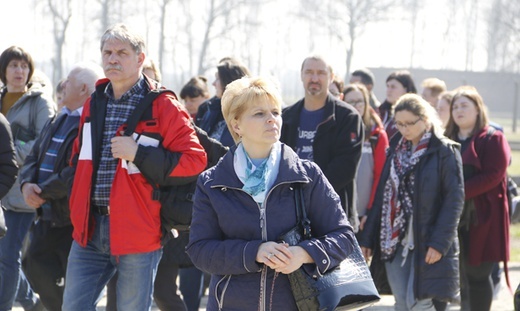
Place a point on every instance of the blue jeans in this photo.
(25, 296)
(191, 282)
(11, 260)
(89, 269)
(401, 280)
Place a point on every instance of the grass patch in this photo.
(514, 168)
(514, 232)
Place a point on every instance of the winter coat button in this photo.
(324, 261)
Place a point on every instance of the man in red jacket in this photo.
(117, 225)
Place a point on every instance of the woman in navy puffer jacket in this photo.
(246, 202)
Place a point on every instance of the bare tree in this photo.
(163, 5)
(346, 19)
(61, 13)
(414, 6)
(218, 23)
(471, 20)
(105, 10)
(503, 36)
(512, 22)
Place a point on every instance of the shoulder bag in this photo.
(347, 287)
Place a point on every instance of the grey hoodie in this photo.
(20, 118)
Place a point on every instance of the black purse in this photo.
(347, 287)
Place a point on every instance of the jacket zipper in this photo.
(221, 300)
(263, 227)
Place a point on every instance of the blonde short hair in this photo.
(243, 93)
(436, 86)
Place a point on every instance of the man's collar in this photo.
(136, 88)
(68, 112)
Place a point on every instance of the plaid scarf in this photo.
(397, 209)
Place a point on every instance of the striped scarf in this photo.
(397, 209)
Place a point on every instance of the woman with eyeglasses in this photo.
(374, 149)
(414, 217)
(484, 228)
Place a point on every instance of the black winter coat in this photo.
(336, 147)
(8, 167)
(56, 188)
(437, 205)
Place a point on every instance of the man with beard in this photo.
(323, 129)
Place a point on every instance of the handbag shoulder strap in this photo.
(301, 212)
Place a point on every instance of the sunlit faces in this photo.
(356, 99)
(17, 74)
(464, 113)
(218, 86)
(259, 125)
(316, 77)
(72, 89)
(192, 103)
(411, 126)
(394, 90)
(443, 109)
(333, 89)
(150, 73)
(427, 96)
(355, 79)
(120, 62)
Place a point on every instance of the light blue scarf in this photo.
(257, 179)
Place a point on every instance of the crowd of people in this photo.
(420, 181)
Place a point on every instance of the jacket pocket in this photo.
(220, 290)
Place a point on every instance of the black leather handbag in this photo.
(347, 287)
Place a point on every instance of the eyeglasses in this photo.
(401, 125)
(357, 104)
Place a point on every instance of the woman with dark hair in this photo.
(27, 109)
(484, 225)
(398, 83)
(194, 94)
(210, 118)
(373, 155)
(419, 199)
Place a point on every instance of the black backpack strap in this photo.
(131, 124)
(139, 110)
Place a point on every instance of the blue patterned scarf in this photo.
(257, 179)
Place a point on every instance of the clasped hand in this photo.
(124, 147)
(281, 257)
(31, 194)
